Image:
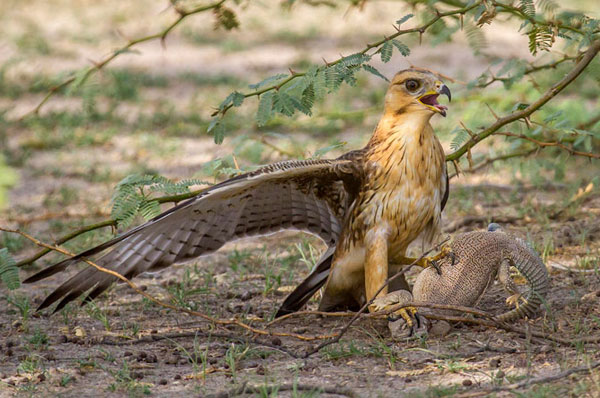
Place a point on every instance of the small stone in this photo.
(440, 329)
(163, 382)
(301, 330)
(137, 375)
(276, 341)
(495, 363)
(177, 377)
(467, 383)
(500, 374)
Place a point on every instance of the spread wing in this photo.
(307, 195)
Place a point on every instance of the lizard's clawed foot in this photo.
(514, 300)
(432, 261)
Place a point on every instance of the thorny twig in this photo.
(544, 144)
(538, 380)
(588, 56)
(251, 389)
(489, 161)
(399, 32)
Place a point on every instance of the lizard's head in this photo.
(493, 227)
(415, 90)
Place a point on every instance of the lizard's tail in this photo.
(533, 269)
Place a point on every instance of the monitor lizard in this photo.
(463, 277)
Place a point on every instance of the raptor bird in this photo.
(367, 205)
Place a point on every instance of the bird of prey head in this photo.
(415, 90)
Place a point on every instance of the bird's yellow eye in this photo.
(412, 85)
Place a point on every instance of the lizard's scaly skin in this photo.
(479, 256)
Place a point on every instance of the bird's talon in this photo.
(435, 265)
(452, 258)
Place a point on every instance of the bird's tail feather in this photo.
(309, 286)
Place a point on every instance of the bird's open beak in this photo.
(429, 99)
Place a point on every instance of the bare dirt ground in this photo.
(124, 345)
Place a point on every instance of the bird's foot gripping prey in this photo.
(432, 261)
(367, 205)
(413, 320)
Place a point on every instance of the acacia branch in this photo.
(489, 161)
(544, 144)
(530, 70)
(588, 56)
(399, 32)
(162, 35)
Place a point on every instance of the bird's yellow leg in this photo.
(376, 273)
(425, 262)
(376, 263)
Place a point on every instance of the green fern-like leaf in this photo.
(308, 98)
(386, 51)
(353, 60)
(150, 209)
(265, 109)
(460, 137)
(475, 38)
(217, 129)
(404, 19)
(540, 39)
(283, 103)
(9, 272)
(403, 48)
(527, 7)
(375, 72)
(267, 81)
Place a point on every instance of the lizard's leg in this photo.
(509, 285)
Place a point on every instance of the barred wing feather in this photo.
(308, 195)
